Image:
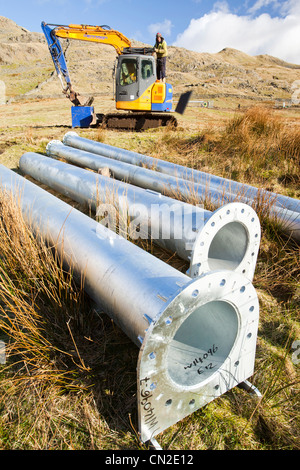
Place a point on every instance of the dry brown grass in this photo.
(262, 145)
(260, 131)
(257, 147)
(38, 298)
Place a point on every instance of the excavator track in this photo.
(136, 121)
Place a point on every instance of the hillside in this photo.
(26, 67)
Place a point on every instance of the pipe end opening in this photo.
(202, 343)
(228, 247)
(229, 241)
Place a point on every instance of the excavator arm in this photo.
(100, 34)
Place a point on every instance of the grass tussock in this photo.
(262, 138)
(256, 147)
(260, 148)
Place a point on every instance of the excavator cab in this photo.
(137, 88)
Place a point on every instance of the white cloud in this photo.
(222, 6)
(263, 3)
(263, 34)
(291, 7)
(164, 28)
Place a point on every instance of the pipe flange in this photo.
(201, 345)
(229, 240)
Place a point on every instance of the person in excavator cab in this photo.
(128, 74)
(161, 50)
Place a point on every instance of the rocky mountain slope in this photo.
(27, 69)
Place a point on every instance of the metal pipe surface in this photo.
(168, 184)
(197, 338)
(72, 139)
(228, 238)
(109, 259)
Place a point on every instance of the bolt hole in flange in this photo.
(202, 343)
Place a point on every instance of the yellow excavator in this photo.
(147, 101)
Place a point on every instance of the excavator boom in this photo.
(100, 34)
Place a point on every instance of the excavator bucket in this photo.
(79, 100)
(83, 116)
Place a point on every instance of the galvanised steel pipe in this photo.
(248, 192)
(167, 184)
(197, 338)
(228, 238)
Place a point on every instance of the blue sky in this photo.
(252, 26)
